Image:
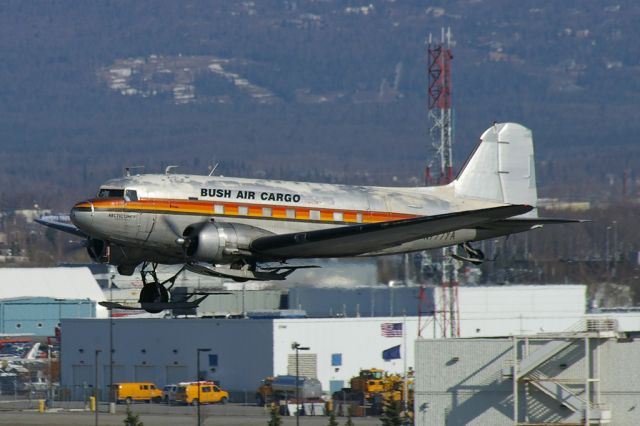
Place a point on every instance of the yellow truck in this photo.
(136, 391)
(210, 393)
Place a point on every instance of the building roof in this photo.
(56, 283)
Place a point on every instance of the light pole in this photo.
(296, 347)
(111, 393)
(95, 387)
(198, 377)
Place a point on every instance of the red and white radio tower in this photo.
(440, 117)
(439, 170)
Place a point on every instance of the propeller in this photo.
(185, 239)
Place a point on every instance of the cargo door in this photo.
(176, 373)
(131, 214)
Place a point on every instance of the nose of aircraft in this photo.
(82, 215)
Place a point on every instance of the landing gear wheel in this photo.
(154, 293)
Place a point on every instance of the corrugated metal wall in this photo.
(461, 381)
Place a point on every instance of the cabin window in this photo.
(110, 193)
(218, 209)
(314, 215)
(243, 210)
(359, 217)
(291, 213)
(338, 217)
(131, 195)
(267, 212)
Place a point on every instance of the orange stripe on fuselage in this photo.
(206, 208)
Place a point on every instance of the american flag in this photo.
(391, 329)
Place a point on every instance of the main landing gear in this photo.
(154, 291)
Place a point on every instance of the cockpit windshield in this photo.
(110, 193)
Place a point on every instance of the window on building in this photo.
(336, 360)
(213, 360)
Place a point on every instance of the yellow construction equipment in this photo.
(371, 387)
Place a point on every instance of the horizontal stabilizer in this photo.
(154, 307)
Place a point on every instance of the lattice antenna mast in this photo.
(439, 170)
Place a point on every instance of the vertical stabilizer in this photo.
(502, 168)
(33, 352)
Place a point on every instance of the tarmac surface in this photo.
(160, 415)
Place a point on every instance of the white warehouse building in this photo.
(586, 375)
(244, 351)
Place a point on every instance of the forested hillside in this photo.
(319, 90)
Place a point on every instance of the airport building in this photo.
(587, 374)
(241, 352)
(34, 300)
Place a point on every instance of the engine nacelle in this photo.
(217, 242)
(125, 258)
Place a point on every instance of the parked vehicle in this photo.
(372, 387)
(169, 393)
(284, 387)
(209, 393)
(136, 391)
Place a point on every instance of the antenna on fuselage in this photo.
(169, 168)
(127, 170)
(213, 169)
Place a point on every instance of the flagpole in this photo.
(404, 384)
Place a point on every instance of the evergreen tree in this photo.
(349, 422)
(132, 419)
(391, 413)
(332, 419)
(274, 420)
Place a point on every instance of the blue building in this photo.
(34, 300)
(41, 315)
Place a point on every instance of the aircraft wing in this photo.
(61, 223)
(359, 239)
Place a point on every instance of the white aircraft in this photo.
(236, 228)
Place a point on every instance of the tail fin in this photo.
(502, 168)
(33, 352)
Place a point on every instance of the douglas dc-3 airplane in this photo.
(236, 228)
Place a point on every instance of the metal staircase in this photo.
(578, 397)
(541, 355)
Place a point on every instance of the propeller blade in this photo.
(180, 240)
